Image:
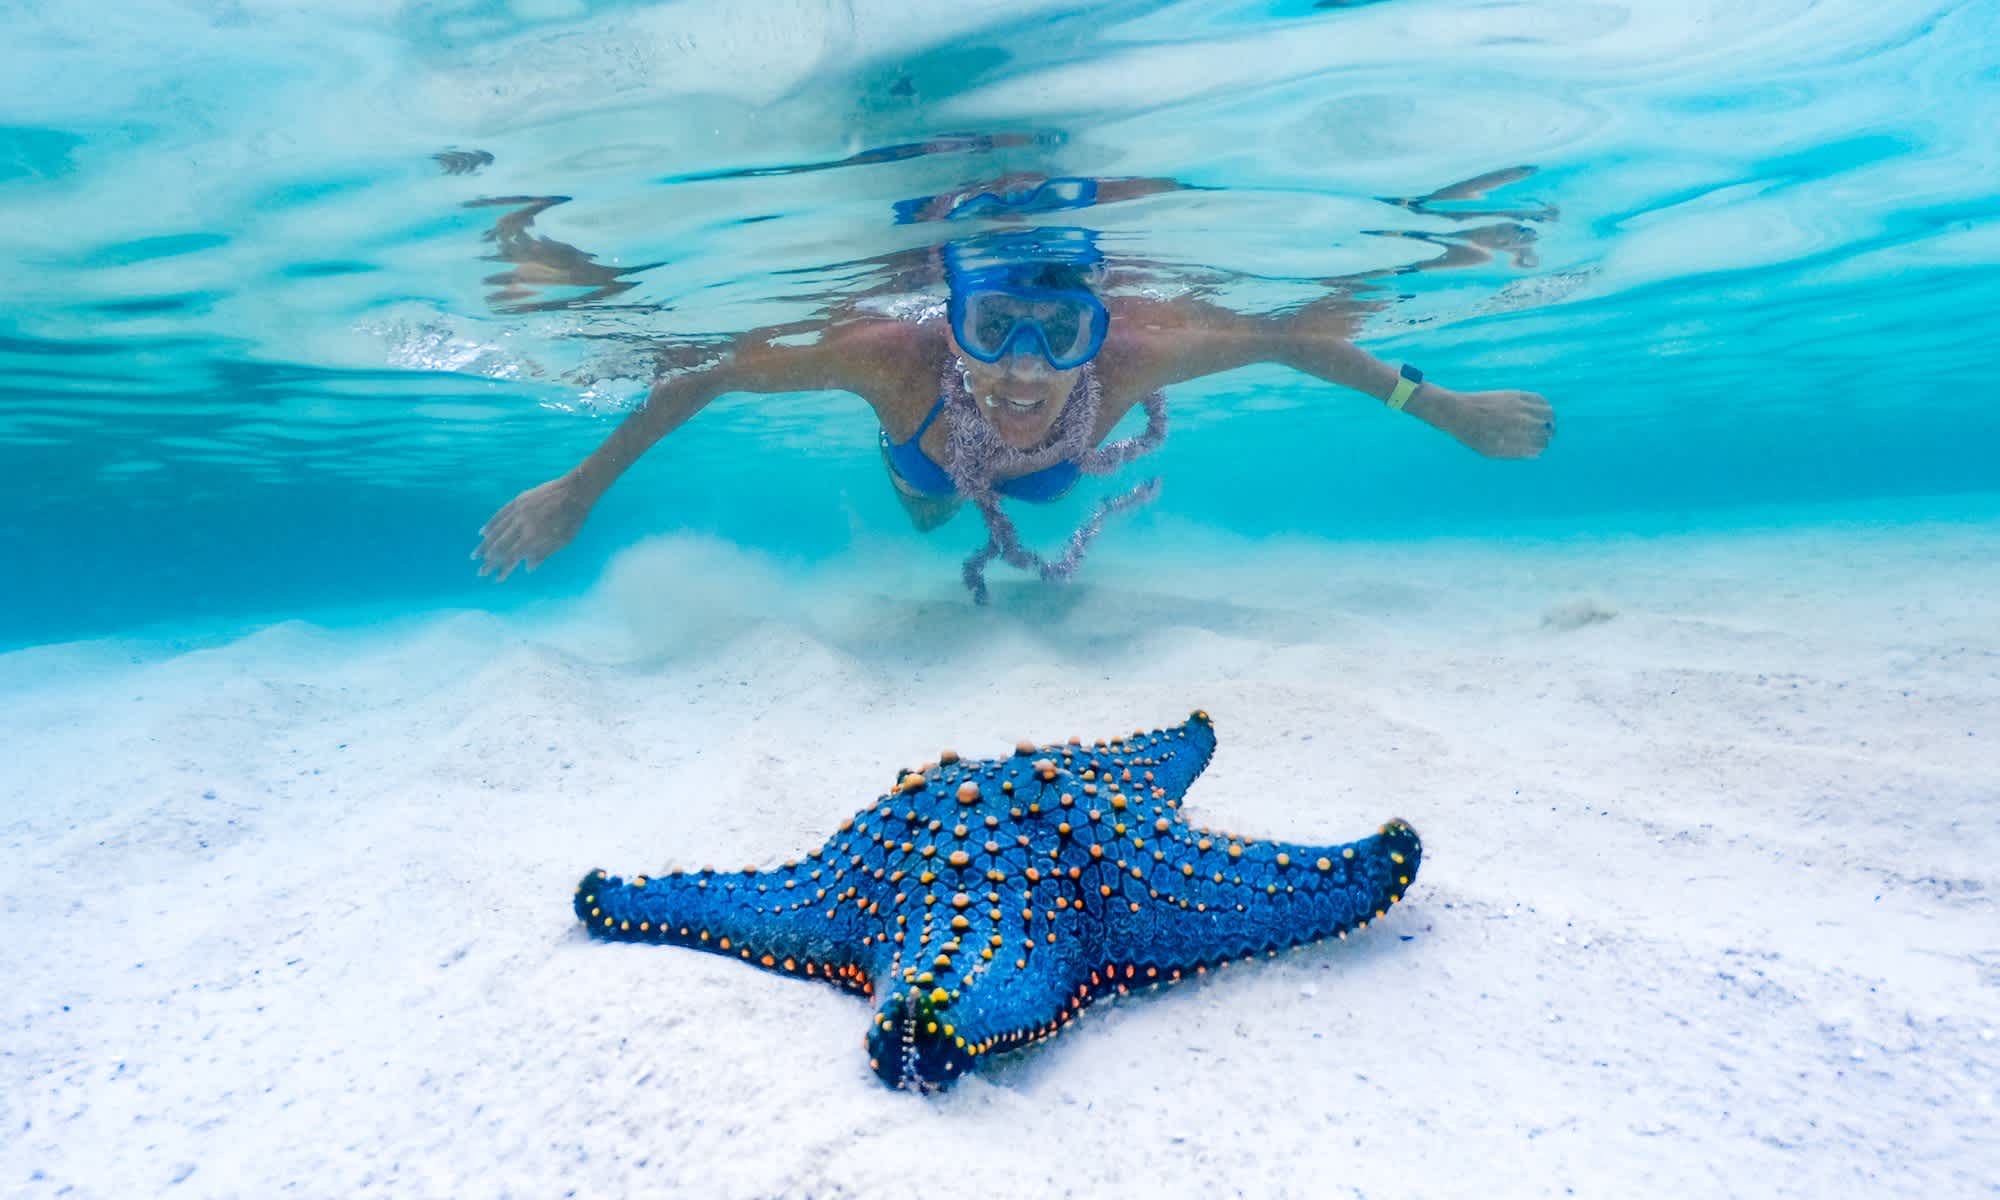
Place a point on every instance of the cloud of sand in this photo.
(678, 594)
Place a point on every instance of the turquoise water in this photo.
(257, 357)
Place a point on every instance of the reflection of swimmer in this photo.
(1470, 247)
(537, 263)
(949, 143)
(1011, 393)
(1019, 196)
(462, 162)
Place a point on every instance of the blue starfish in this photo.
(986, 903)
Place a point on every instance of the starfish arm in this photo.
(925, 1038)
(1184, 756)
(1222, 898)
(1161, 764)
(783, 920)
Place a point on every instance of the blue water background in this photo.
(249, 366)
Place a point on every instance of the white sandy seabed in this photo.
(1707, 907)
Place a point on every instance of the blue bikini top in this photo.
(926, 478)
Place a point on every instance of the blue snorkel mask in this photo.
(1022, 293)
(1051, 195)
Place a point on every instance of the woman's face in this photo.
(1021, 395)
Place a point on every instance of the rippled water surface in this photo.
(297, 295)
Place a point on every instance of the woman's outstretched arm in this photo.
(1165, 342)
(542, 520)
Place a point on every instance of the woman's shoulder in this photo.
(884, 340)
(894, 365)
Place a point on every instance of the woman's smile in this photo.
(1020, 412)
(1015, 403)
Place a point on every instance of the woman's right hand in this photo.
(533, 525)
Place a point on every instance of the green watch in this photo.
(1406, 386)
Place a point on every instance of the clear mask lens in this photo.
(1062, 328)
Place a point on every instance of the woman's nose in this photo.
(1025, 358)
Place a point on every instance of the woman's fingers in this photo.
(503, 558)
(1507, 424)
(1529, 426)
(531, 527)
(489, 540)
(497, 546)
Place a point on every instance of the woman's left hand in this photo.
(1504, 424)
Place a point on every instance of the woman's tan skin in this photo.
(894, 366)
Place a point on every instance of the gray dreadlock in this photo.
(977, 457)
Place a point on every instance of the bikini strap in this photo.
(929, 417)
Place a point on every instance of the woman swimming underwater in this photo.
(1012, 391)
